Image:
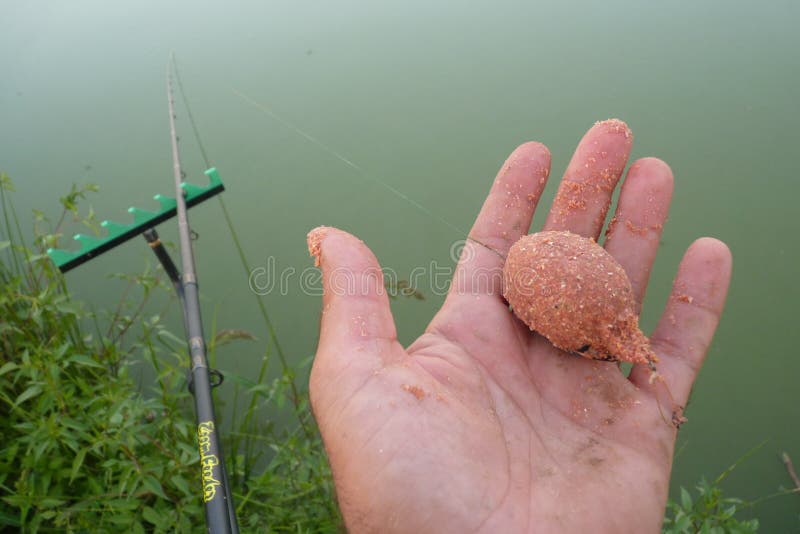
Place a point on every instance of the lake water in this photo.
(429, 98)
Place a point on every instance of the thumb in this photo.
(357, 332)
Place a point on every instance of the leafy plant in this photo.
(83, 449)
(710, 512)
(707, 513)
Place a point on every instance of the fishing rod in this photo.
(220, 513)
(219, 509)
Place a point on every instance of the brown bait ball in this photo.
(574, 293)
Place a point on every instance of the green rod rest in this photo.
(118, 233)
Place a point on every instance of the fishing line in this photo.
(310, 138)
(191, 117)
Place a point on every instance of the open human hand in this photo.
(482, 425)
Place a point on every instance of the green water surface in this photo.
(429, 98)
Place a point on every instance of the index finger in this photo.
(504, 218)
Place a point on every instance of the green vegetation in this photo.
(712, 513)
(83, 449)
(709, 513)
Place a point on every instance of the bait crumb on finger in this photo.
(616, 126)
(417, 391)
(314, 241)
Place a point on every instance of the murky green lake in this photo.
(428, 98)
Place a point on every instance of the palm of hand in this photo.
(481, 425)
